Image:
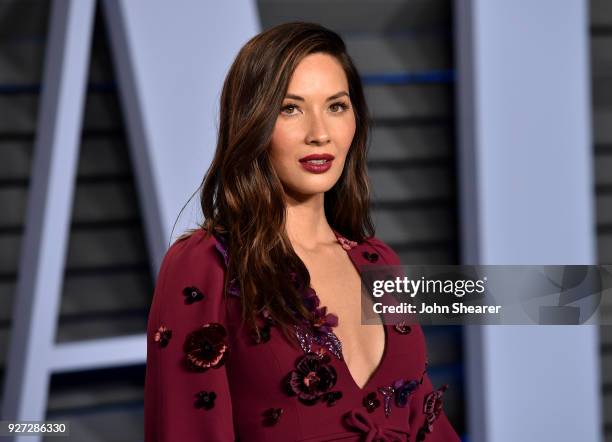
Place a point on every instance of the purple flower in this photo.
(323, 321)
(403, 390)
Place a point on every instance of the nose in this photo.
(318, 134)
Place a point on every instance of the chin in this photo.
(304, 191)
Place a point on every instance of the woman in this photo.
(254, 332)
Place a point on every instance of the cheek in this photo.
(281, 152)
(345, 135)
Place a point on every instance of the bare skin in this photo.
(315, 124)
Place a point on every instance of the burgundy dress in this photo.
(208, 380)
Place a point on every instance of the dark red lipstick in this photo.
(317, 163)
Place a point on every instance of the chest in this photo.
(338, 286)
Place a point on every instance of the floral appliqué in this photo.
(319, 331)
(163, 336)
(206, 347)
(432, 407)
(403, 390)
(192, 294)
(312, 378)
(371, 402)
(205, 399)
(402, 328)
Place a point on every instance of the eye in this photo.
(338, 107)
(289, 107)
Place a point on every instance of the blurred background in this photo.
(492, 144)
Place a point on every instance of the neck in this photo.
(306, 224)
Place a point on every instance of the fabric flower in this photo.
(319, 330)
(329, 341)
(432, 407)
(371, 402)
(372, 257)
(206, 347)
(346, 244)
(312, 378)
(402, 328)
(205, 399)
(323, 321)
(272, 416)
(192, 294)
(403, 390)
(162, 336)
(332, 397)
(387, 393)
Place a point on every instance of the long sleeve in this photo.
(187, 396)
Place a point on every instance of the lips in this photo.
(317, 163)
(317, 157)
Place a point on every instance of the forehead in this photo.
(318, 74)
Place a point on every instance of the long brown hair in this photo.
(241, 194)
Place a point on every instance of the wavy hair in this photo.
(241, 194)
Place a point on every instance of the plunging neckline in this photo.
(342, 241)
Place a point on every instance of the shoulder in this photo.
(192, 250)
(194, 258)
(386, 253)
(191, 274)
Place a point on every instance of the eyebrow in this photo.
(333, 97)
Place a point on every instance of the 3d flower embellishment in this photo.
(312, 378)
(402, 328)
(319, 330)
(372, 257)
(346, 244)
(162, 336)
(329, 341)
(403, 390)
(206, 347)
(371, 402)
(205, 399)
(387, 393)
(432, 407)
(192, 294)
(272, 416)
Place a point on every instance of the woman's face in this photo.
(315, 127)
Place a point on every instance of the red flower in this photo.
(312, 378)
(206, 347)
(371, 402)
